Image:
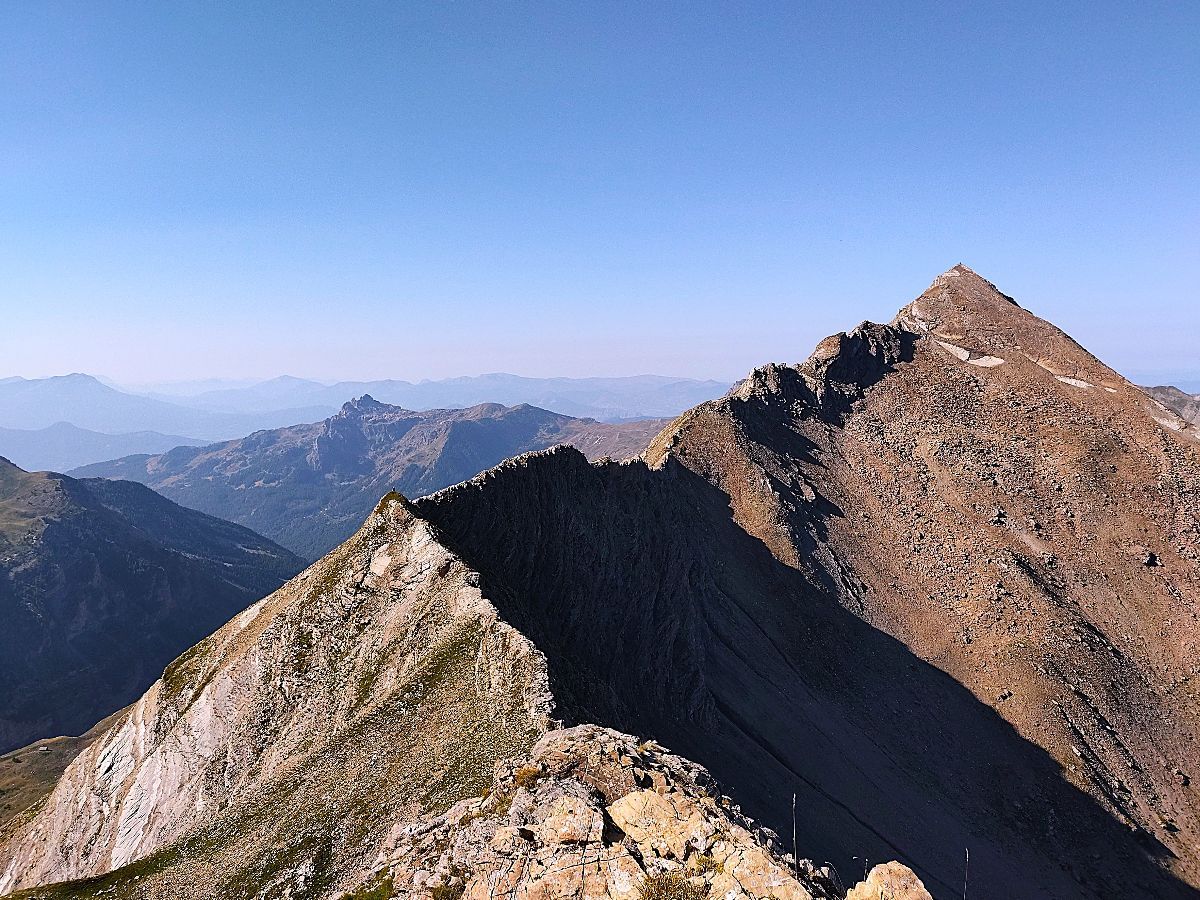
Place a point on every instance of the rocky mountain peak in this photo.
(365, 403)
(341, 447)
(965, 321)
(935, 586)
(961, 302)
(844, 365)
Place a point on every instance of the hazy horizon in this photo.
(1186, 377)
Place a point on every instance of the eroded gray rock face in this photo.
(379, 681)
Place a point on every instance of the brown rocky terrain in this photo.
(310, 486)
(978, 486)
(1184, 405)
(937, 583)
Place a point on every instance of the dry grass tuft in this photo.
(671, 886)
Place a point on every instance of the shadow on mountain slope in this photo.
(660, 616)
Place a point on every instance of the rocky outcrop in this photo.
(101, 585)
(310, 486)
(890, 881)
(591, 813)
(341, 447)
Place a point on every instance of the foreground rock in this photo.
(890, 881)
(593, 814)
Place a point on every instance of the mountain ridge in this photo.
(62, 446)
(86, 402)
(608, 399)
(936, 581)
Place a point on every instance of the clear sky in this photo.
(402, 189)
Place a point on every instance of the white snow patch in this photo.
(984, 362)
(987, 362)
(962, 354)
(1074, 382)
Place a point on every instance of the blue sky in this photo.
(414, 190)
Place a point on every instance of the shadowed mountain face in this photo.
(101, 584)
(309, 486)
(710, 644)
(941, 579)
(938, 582)
(1184, 405)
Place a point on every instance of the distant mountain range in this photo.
(102, 583)
(62, 446)
(85, 402)
(607, 399)
(1183, 404)
(309, 486)
(153, 423)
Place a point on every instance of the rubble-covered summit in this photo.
(593, 813)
